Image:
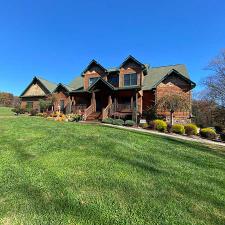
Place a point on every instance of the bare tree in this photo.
(215, 83)
(203, 111)
(173, 103)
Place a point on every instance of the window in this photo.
(130, 79)
(92, 80)
(29, 105)
(114, 80)
(61, 105)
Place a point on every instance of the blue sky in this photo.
(57, 39)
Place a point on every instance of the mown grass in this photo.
(6, 111)
(69, 173)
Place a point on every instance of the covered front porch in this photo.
(104, 101)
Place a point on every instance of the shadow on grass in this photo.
(49, 199)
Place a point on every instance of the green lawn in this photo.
(6, 111)
(68, 173)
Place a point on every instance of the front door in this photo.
(101, 101)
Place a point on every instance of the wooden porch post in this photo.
(70, 105)
(132, 102)
(115, 103)
(136, 107)
(109, 100)
(93, 100)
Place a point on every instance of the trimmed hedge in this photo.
(129, 123)
(191, 129)
(107, 120)
(160, 125)
(178, 129)
(118, 122)
(208, 133)
(144, 125)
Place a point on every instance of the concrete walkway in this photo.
(175, 136)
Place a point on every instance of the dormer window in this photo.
(92, 80)
(114, 80)
(130, 79)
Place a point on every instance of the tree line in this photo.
(8, 99)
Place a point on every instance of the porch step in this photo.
(94, 116)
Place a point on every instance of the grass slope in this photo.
(64, 173)
(6, 111)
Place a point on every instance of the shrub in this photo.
(160, 125)
(150, 113)
(45, 115)
(222, 135)
(208, 133)
(219, 129)
(178, 129)
(18, 110)
(53, 114)
(107, 120)
(72, 117)
(169, 128)
(144, 125)
(129, 123)
(152, 125)
(33, 112)
(118, 122)
(191, 129)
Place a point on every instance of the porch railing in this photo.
(125, 107)
(108, 111)
(88, 111)
(79, 108)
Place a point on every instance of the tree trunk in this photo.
(171, 117)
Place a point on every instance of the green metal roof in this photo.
(113, 69)
(48, 84)
(157, 74)
(151, 80)
(154, 76)
(65, 86)
(77, 83)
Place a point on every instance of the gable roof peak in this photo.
(130, 57)
(48, 85)
(93, 61)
